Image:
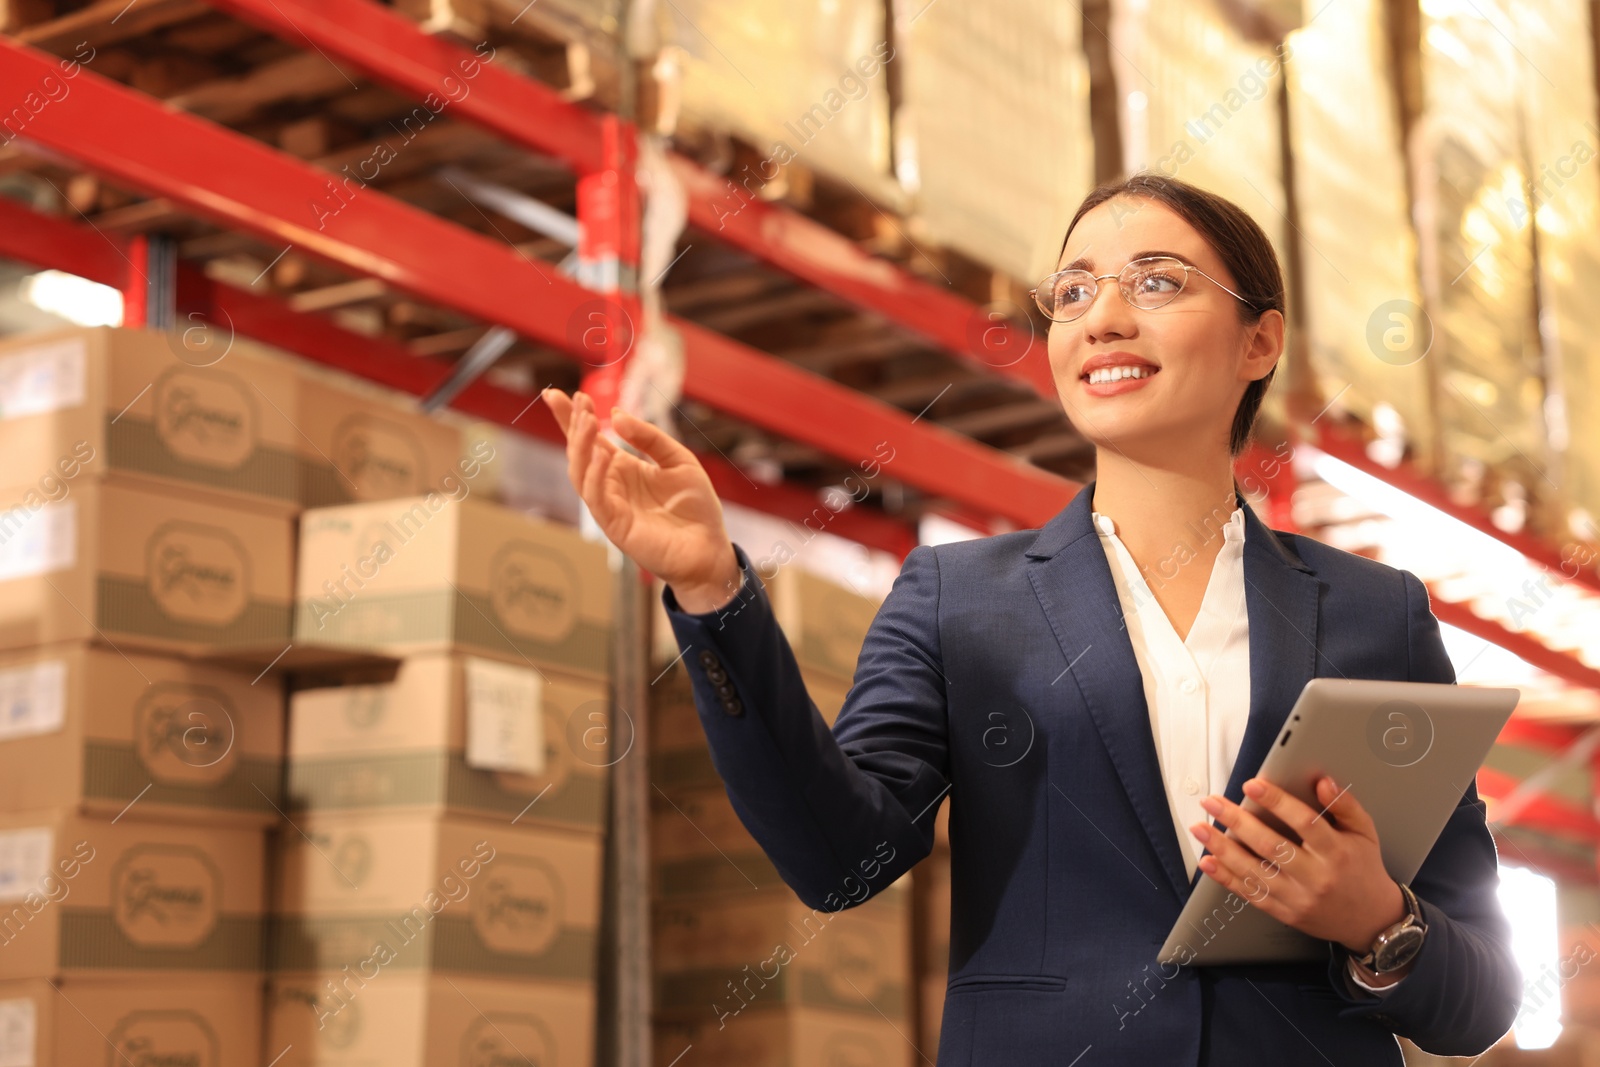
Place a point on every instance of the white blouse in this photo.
(1197, 688)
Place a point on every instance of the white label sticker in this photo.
(24, 861)
(505, 722)
(33, 699)
(47, 378)
(38, 540)
(19, 1032)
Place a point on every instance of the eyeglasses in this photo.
(1146, 284)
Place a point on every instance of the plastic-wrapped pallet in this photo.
(1563, 138)
(1477, 261)
(802, 82)
(993, 130)
(1362, 301)
(1200, 103)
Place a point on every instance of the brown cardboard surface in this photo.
(679, 756)
(403, 744)
(698, 846)
(733, 952)
(406, 892)
(92, 729)
(222, 420)
(164, 569)
(824, 622)
(931, 988)
(431, 574)
(152, 1019)
(787, 1038)
(409, 1020)
(84, 897)
(930, 885)
(358, 445)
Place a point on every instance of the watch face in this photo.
(1398, 950)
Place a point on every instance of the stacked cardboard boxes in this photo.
(441, 902)
(744, 972)
(147, 526)
(930, 883)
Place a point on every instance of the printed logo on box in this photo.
(164, 1039)
(198, 573)
(166, 896)
(850, 1048)
(379, 456)
(502, 1038)
(365, 706)
(338, 1022)
(855, 960)
(353, 859)
(519, 907)
(534, 591)
(206, 417)
(184, 733)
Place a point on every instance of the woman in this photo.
(1093, 694)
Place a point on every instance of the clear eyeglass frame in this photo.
(1126, 278)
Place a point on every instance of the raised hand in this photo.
(660, 510)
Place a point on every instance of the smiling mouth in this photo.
(1107, 375)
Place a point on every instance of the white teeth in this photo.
(1113, 374)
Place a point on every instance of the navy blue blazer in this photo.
(997, 673)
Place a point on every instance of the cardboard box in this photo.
(154, 1020)
(930, 1007)
(412, 1020)
(725, 955)
(792, 1038)
(404, 744)
(142, 404)
(824, 622)
(94, 730)
(699, 847)
(143, 567)
(930, 884)
(406, 893)
(83, 897)
(679, 755)
(358, 444)
(433, 574)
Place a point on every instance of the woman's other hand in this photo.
(659, 510)
(1330, 884)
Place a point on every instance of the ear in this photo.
(1265, 345)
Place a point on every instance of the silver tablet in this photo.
(1407, 750)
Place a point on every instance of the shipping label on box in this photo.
(127, 896)
(345, 1019)
(404, 744)
(88, 728)
(153, 1021)
(433, 573)
(143, 566)
(143, 404)
(410, 892)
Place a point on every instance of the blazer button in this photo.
(733, 706)
(717, 675)
(726, 691)
(708, 659)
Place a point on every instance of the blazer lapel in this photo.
(1073, 581)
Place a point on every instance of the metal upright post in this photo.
(608, 255)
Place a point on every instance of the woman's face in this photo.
(1205, 357)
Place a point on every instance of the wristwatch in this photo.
(1398, 945)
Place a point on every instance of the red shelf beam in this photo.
(394, 51)
(136, 141)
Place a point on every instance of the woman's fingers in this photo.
(650, 439)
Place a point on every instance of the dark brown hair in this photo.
(1241, 245)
